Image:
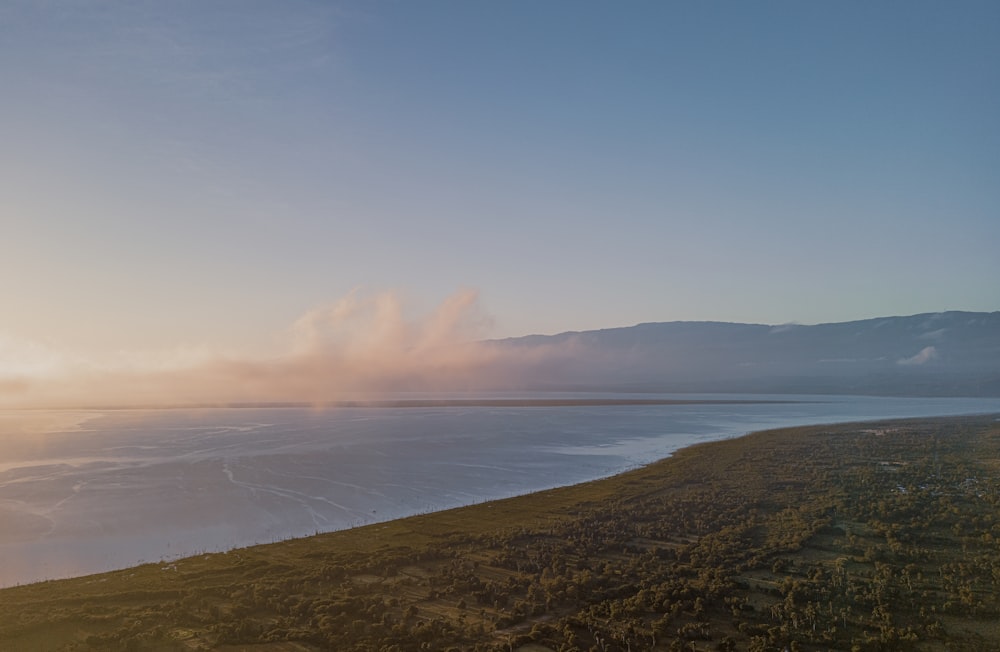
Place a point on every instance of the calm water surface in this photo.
(83, 492)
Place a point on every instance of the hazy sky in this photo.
(181, 179)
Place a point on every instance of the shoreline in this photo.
(757, 513)
(433, 510)
(223, 481)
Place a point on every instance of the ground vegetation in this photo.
(876, 536)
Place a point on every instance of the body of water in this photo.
(88, 491)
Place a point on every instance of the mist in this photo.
(367, 345)
(361, 345)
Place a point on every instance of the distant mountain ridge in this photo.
(952, 353)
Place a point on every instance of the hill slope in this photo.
(946, 354)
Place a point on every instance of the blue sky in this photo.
(198, 176)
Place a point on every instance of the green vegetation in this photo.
(852, 537)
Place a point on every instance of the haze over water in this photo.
(83, 492)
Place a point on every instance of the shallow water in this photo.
(83, 492)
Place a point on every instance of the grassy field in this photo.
(879, 536)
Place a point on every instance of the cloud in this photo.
(368, 343)
(359, 327)
(361, 344)
(933, 335)
(925, 355)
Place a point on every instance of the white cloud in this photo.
(926, 354)
(933, 335)
(363, 343)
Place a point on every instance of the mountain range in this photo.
(951, 353)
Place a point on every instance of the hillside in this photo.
(939, 354)
(858, 536)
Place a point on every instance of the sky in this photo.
(187, 182)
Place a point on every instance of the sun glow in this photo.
(363, 343)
